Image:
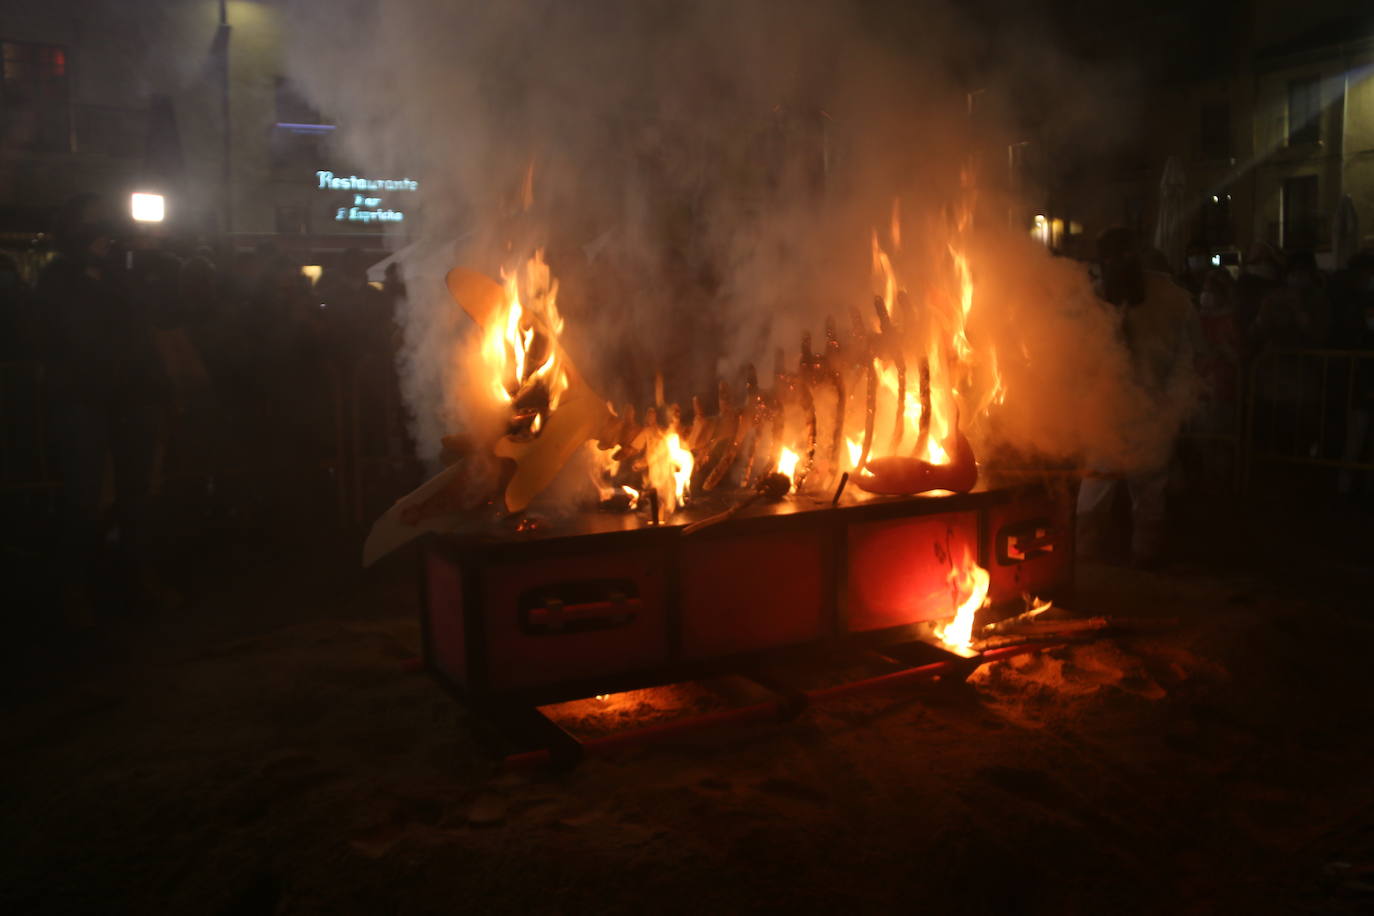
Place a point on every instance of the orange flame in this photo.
(669, 468)
(787, 464)
(933, 341)
(968, 585)
(507, 343)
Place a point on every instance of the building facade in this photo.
(186, 99)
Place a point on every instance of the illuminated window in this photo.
(1304, 111)
(34, 103)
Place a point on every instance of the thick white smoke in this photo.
(707, 176)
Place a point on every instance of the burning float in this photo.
(836, 505)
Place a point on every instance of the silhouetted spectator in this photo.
(1219, 363)
(108, 393)
(16, 317)
(354, 312)
(1298, 314)
(1359, 429)
(1351, 291)
(1258, 278)
(1160, 328)
(1197, 263)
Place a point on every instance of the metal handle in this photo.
(1022, 541)
(577, 607)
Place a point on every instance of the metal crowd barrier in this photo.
(26, 463)
(1302, 406)
(1296, 407)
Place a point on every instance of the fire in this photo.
(528, 332)
(632, 493)
(968, 585)
(682, 467)
(669, 467)
(787, 464)
(924, 360)
(909, 379)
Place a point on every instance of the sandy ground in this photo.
(269, 750)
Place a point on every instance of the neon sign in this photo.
(366, 206)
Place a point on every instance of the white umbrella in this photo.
(1345, 231)
(1169, 222)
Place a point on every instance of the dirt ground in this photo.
(269, 749)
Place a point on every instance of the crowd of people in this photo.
(169, 355)
(166, 354)
(1313, 405)
(1279, 344)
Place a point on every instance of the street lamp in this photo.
(147, 208)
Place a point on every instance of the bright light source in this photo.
(147, 208)
(312, 272)
(1216, 260)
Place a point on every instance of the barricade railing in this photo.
(1299, 407)
(26, 462)
(1308, 407)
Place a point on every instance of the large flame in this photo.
(669, 468)
(787, 464)
(523, 332)
(926, 357)
(968, 586)
(912, 377)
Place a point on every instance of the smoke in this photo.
(707, 176)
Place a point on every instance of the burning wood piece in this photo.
(701, 427)
(660, 457)
(923, 424)
(557, 432)
(1011, 623)
(643, 441)
(890, 349)
(1030, 624)
(833, 368)
(772, 488)
(626, 436)
(904, 315)
(730, 433)
(782, 387)
(863, 360)
(624, 499)
(529, 412)
(757, 405)
(808, 368)
(903, 475)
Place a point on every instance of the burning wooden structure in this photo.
(837, 504)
